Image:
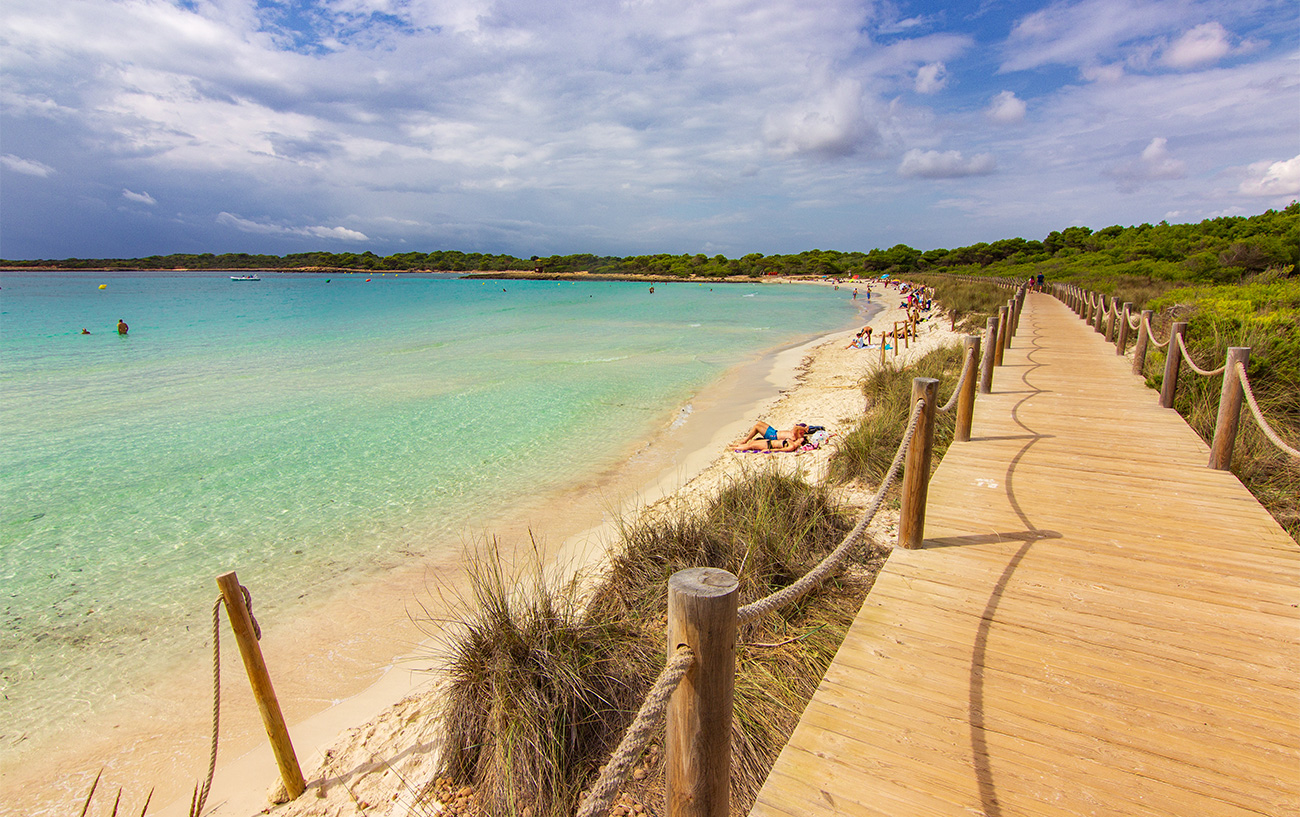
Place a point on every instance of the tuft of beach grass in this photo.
(543, 685)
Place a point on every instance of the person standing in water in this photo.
(122, 328)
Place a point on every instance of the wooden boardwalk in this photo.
(1097, 624)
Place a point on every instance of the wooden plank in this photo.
(1097, 624)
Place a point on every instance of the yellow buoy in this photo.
(103, 286)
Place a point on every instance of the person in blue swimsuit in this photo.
(763, 431)
(773, 440)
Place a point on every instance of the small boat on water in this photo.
(252, 277)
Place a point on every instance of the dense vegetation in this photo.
(1219, 250)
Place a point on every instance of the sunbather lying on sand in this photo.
(769, 445)
(764, 431)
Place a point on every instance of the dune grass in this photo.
(542, 685)
(866, 452)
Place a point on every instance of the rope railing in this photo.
(966, 371)
(1259, 415)
(1151, 335)
(615, 773)
(833, 559)
(1187, 356)
(1236, 385)
(638, 734)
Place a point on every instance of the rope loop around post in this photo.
(248, 602)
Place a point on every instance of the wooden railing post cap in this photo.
(705, 582)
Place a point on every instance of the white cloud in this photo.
(621, 127)
(28, 167)
(1006, 108)
(1113, 72)
(931, 78)
(142, 198)
(1273, 178)
(1087, 32)
(1157, 162)
(263, 228)
(948, 164)
(1207, 43)
(829, 125)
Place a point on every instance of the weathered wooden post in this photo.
(241, 622)
(1225, 427)
(1112, 322)
(894, 337)
(986, 364)
(1144, 338)
(1169, 386)
(1011, 323)
(966, 400)
(1101, 314)
(1122, 342)
(1088, 306)
(916, 467)
(883, 344)
(1002, 332)
(702, 603)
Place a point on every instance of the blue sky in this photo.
(138, 127)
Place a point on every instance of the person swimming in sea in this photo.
(122, 328)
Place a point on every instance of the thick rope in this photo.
(216, 707)
(202, 795)
(956, 391)
(1134, 321)
(815, 576)
(1151, 336)
(634, 741)
(1259, 416)
(1182, 344)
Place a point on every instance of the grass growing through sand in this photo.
(866, 452)
(543, 687)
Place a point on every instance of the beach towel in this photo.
(815, 440)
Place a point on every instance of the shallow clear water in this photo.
(304, 429)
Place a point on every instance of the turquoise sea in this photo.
(303, 429)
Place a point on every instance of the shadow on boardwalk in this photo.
(1097, 623)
